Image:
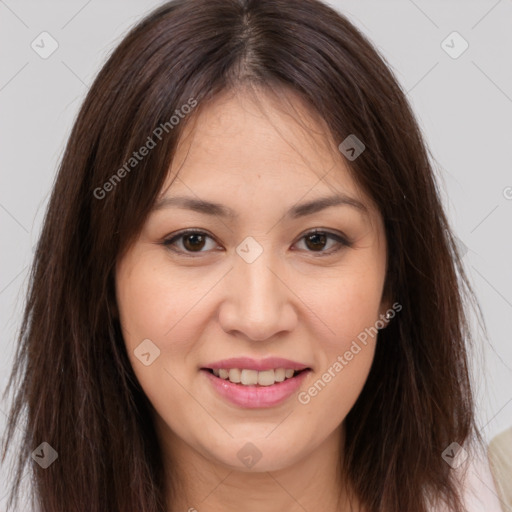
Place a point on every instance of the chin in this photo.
(252, 454)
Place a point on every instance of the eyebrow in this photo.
(295, 212)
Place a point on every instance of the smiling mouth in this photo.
(254, 378)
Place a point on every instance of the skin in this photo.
(245, 151)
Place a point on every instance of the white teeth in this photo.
(253, 377)
(249, 377)
(280, 374)
(235, 375)
(266, 378)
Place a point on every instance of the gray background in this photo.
(463, 105)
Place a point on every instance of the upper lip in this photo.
(249, 363)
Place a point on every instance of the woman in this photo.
(246, 292)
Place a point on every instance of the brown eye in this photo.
(193, 242)
(316, 241)
(189, 242)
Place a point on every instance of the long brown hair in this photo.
(75, 388)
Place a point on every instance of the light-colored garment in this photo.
(480, 492)
(500, 459)
(478, 488)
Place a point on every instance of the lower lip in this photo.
(253, 397)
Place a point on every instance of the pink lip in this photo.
(253, 397)
(269, 363)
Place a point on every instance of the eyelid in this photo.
(339, 237)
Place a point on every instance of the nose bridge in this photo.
(258, 287)
(257, 296)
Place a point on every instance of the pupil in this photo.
(315, 238)
(195, 238)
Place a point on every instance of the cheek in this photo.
(349, 309)
(150, 309)
(345, 355)
(150, 301)
(331, 394)
(349, 306)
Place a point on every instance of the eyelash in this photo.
(341, 240)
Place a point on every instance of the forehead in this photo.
(250, 139)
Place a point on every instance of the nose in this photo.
(258, 302)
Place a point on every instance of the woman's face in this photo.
(252, 281)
